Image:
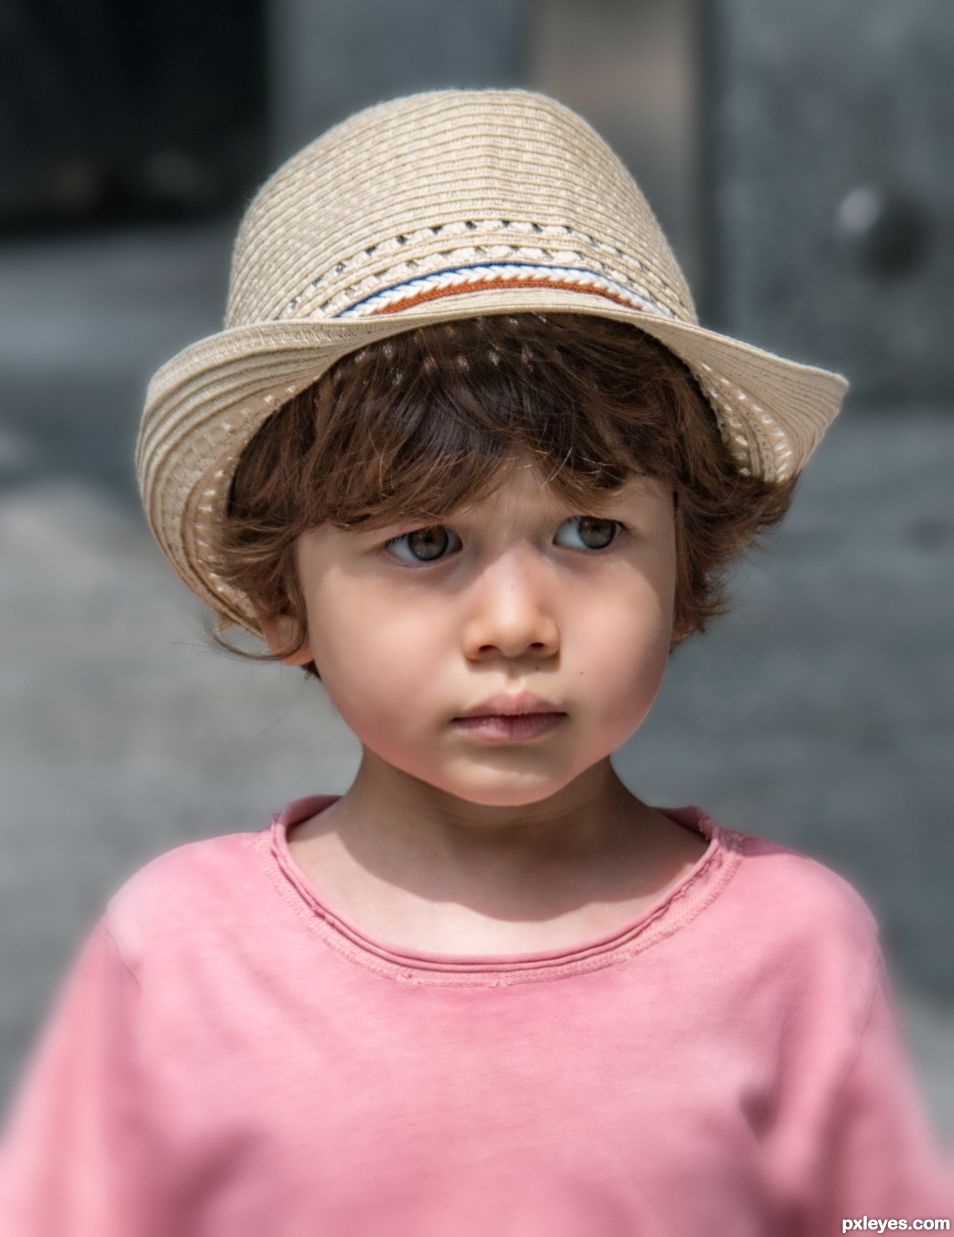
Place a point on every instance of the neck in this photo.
(401, 827)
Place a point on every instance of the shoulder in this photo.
(210, 880)
(798, 939)
(797, 902)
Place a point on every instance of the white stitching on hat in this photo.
(464, 227)
(464, 277)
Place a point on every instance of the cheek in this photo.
(374, 662)
(622, 651)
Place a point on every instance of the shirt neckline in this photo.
(666, 915)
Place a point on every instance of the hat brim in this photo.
(204, 405)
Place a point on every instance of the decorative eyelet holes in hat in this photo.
(427, 208)
(380, 279)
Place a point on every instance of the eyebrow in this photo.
(636, 484)
(639, 485)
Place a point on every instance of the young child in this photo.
(463, 451)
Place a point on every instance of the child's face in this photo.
(510, 595)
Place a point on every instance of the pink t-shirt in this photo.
(229, 1058)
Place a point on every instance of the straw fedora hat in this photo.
(433, 206)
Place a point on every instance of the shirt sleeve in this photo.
(71, 1141)
(884, 1160)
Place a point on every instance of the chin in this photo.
(504, 788)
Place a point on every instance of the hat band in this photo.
(461, 279)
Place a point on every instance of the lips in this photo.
(509, 705)
(515, 729)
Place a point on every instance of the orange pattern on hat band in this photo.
(434, 293)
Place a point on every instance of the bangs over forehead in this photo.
(434, 419)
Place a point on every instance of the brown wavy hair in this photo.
(422, 422)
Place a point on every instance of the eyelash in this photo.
(621, 529)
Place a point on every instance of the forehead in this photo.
(528, 482)
(518, 486)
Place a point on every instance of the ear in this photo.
(279, 631)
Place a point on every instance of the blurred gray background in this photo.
(798, 157)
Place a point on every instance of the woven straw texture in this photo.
(431, 207)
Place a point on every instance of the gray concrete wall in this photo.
(829, 146)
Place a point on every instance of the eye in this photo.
(594, 530)
(426, 542)
(426, 545)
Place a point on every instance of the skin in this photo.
(444, 837)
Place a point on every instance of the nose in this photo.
(511, 609)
